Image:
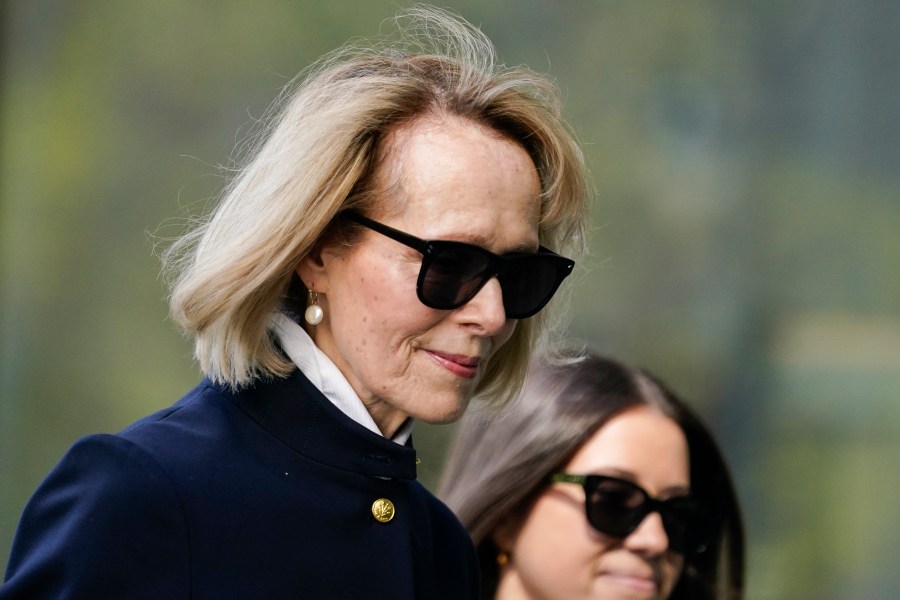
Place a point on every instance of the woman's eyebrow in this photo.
(628, 475)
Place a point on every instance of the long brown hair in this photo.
(500, 460)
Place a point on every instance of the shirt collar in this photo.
(325, 375)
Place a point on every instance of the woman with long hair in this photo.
(597, 482)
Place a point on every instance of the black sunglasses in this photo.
(617, 507)
(453, 272)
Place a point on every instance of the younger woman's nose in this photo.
(650, 537)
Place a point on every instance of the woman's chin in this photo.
(441, 412)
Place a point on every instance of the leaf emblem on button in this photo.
(383, 510)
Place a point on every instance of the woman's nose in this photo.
(486, 308)
(650, 537)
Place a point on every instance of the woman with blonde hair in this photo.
(597, 482)
(383, 255)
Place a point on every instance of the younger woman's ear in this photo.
(505, 534)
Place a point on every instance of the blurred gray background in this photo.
(745, 244)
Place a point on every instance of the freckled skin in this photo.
(458, 181)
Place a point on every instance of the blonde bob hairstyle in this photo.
(318, 155)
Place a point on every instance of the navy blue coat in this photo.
(265, 493)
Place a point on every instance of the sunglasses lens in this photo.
(451, 275)
(685, 526)
(529, 283)
(453, 272)
(615, 508)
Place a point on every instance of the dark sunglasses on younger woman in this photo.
(617, 507)
(452, 273)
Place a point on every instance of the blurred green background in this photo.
(745, 243)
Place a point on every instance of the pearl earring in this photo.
(314, 312)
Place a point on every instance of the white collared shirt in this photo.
(325, 375)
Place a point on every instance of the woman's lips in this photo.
(458, 364)
(637, 582)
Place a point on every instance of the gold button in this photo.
(383, 510)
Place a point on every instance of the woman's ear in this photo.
(505, 534)
(312, 269)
